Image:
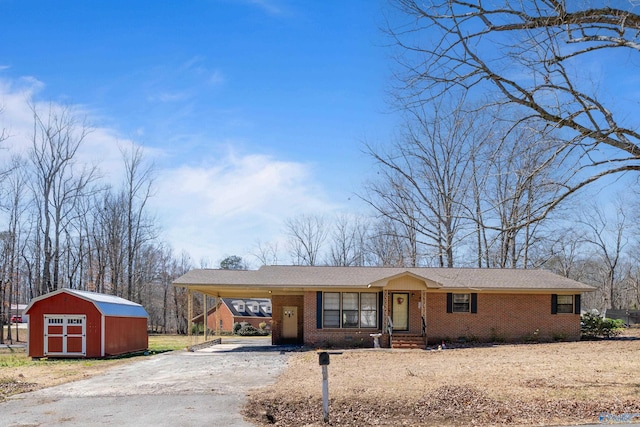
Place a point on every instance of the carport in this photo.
(244, 284)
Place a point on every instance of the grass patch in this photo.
(163, 343)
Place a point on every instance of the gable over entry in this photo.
(344, 306)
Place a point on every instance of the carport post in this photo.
(204, 316)
(189, 311)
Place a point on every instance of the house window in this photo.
(461, 303)
(350, 310)
(238, 305)
(331, 310)
(565, 304)
(368, 310)
(266, 307)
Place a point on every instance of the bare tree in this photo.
(530, 55)
(389, 245)
(58, 184)
(564, 254)
(607, 239)
(348, 242)
(137, 191)
(518, 175)
(426, 176)
(397, 238)
(180, 296)
(307, 234)
(266, 253)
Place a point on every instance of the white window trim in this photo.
(359, 311)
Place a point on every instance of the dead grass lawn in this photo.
(529, 384)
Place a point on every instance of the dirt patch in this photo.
(11, 386)
(530, 384)
(48, 373)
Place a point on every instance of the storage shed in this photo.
(72, 323)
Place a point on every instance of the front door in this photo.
(400, 311)
(290, 322)
(65, 335)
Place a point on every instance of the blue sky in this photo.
(252, 110)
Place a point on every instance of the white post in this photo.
(324, 362)
(325, 393)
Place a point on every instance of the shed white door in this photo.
(65, 335)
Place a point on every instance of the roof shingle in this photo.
(283, 277)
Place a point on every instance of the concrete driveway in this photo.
(206, 387)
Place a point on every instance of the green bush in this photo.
(594, 326)
(236, 328)
(262, 326)
(249, 331)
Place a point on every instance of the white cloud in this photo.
(216, 77)
(169, 96)
(99, 148)
(272, 7)
(224, 207)
(210, 207)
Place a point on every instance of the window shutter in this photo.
(319, 310)
(576, 304)
(380, 302)
(474, 303)
(554, 303)
(449, 302)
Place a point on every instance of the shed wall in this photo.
(59, 304)
(125, 335)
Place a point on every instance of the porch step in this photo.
(408, 341)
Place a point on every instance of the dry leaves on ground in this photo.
(534, 384)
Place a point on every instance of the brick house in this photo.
(237, 310)
(345, 306)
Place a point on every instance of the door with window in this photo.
(400, 311)
(65, 335)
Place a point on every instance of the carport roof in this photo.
(283, 278)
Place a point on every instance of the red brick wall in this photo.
(228, 320)
(222, 314)
(502, 317)
(279, 301)
(327, 338)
